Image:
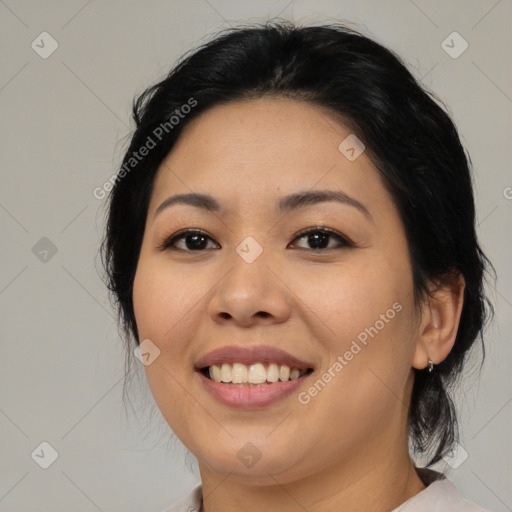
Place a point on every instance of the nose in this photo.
(250, 294)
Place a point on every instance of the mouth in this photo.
(249, 377)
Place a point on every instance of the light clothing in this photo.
(440, 495)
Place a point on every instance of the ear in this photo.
(439, 322)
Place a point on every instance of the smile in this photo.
(255, 374)
(247, 377)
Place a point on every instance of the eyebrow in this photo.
(284, 205)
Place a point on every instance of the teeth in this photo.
(215, 373)
(294, 374)
(225, 373)
(238, 373)
(284, 373)
(257, 374)
(273, 372)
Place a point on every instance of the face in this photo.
(261, 285)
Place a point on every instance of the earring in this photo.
(430, 365)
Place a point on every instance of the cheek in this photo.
(362, 312)
(350, 298)
(163, 298)
(163, 302)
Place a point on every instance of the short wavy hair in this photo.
(409, 137)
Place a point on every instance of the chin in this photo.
(254, 463)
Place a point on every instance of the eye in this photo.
(195, 240)
(319, 238)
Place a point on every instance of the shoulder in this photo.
(440, 495)
(192, 503)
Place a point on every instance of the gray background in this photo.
(64, 123)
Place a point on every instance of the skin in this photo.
(347, 448)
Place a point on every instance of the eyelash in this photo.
(167, 243)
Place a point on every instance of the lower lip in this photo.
(249, 397)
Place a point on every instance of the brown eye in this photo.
(193, 241)
(319, 239)
(197, 241)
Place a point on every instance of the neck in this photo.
(380, 485)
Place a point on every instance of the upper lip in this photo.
(251, 355)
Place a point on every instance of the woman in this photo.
(291, 241)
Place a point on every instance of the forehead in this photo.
(258, 150)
